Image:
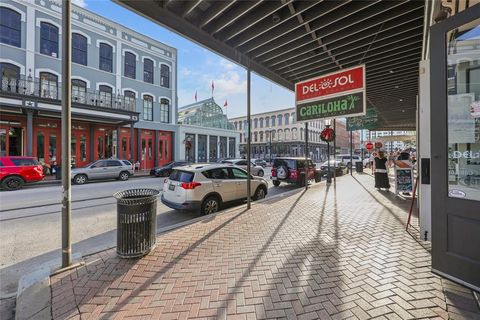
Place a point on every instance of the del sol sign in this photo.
(339, 94)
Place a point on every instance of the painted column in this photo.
(132, 143)
(30, 42)
(155, 148)
(29, 133)
(140, 155)
(92, 143)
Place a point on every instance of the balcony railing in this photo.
(52, 90)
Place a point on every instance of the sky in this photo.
(198, 67)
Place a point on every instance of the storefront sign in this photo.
(342, 106)
(369, 121)
(339, 94)
(403, 180)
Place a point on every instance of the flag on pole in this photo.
(225, 104)
(195, 96)
(213, 87)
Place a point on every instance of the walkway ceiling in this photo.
(288, 41)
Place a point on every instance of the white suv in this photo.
(206, 187)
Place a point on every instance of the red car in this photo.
(16, 171)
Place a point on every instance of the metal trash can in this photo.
(136, 221)
(359, 166)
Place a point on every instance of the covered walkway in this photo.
(330, 252)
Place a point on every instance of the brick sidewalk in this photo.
(331, 252)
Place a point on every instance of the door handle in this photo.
(216, 184)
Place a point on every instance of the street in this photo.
(30, 223)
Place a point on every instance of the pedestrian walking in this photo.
(380, 169)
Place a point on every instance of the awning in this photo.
(288, 41)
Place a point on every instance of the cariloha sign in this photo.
(339, 94)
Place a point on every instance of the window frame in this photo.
(53, 78)
(164, 76)
(13, 27)
(50, 39)
(129, 65)
(104, 60)
(79, 50)
(148, 75)
(147, 109)
(164, 110)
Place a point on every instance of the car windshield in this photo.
(332, 162)
(182, 176)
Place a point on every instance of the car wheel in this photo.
(276, 183)
(12, 183)
(210, 205)
(124, 176)
(259, 193)
(80, 179)
(260, 173)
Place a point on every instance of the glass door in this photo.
(455, 146)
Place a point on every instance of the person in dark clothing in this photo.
(381, 175)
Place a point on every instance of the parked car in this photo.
(255, 170)
(337, 165)
(260, 162)
(290, 170)
(345, 158)
(103, 169)
(206, 188)
(166, 170)
(16, 171)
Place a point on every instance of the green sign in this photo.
(341, 106)
(368, 121)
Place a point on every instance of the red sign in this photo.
(369, 145)
(333, 83)
(327, 135)
(378, 145)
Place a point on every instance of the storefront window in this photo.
(231, 147)
(52, 147)
(3, 142)
(160, 150)
(83, 148)
(223, 147)
(124, 148)
(166, 150)
(213, 149)
(149, 149)
(41, 147)
(463, 85)
(100, 147)
(202, 148)
(189, 147)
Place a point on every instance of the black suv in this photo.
(292, 170)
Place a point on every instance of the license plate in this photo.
(171, 187)
(274, 178)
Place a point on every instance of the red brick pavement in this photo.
(331, 252)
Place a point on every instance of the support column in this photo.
(139, 147)
(118, 153)
(30, 133)
(155, 148)
(92, 143)
(208, 148)
(66, 134)
(249, 140)
(132, 143)
(196, 148)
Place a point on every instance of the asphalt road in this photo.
(30, 224)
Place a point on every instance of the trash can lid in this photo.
(136, 196)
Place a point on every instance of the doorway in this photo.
(455, 147)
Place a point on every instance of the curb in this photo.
(59, 182)
(34, 296)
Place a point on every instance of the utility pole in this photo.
(249, 138)
(66, 135)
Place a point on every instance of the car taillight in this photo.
(274, 172)
(293, 173)
(190, 185)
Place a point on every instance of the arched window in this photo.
(255, 136)
(301, 133)
(10, 75)
(294, 134)
(273, 121)
(280, 135)
(267, 122)
(79, 91)
(48, 85)
(49, 39)
(287, 119)
(79, 49)
(293, 117)
(261, 122)
(148, 70)
(106, 94)
(273, 135)
(287, 135)
(147, 107)
(240, 126)
(129, 100)
(236, 125)
(261, 136)
(164, 110)
(279, 118)
(165, 76)
(255, 123)
(10, 27)
(106, 57)
(130, 68)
